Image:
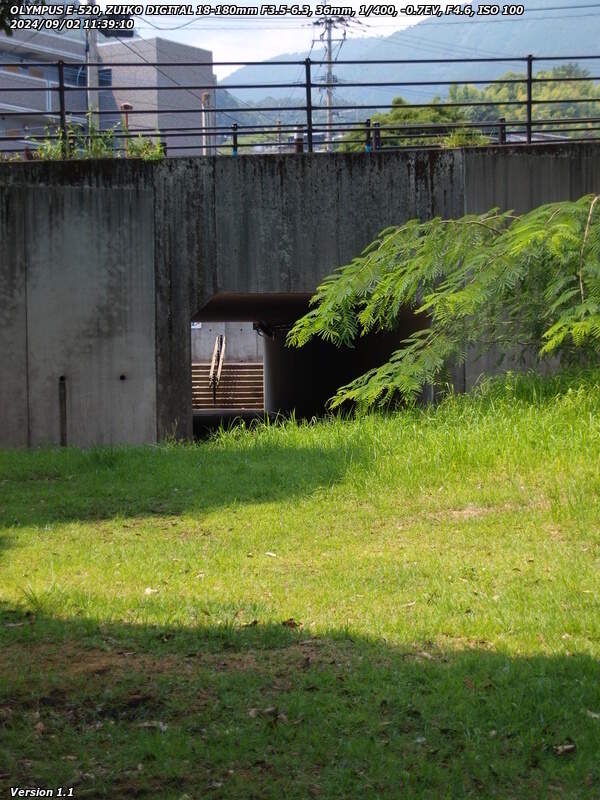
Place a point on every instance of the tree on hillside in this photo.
(402, 126)
(573, 83)
(484, 281)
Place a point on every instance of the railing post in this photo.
(502, 130)
(309, 126)
(368, 136)
(234, 139)
(529, 96)
(376, 136)
(62, 108)
(299, 140)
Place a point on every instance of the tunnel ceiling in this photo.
(274, 307)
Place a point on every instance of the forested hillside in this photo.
(541, 32)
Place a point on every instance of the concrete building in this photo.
(170, 111)
(30, 58)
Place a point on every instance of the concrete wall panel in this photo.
(521, 178)
(284, 223)
(185, 268)
(90, 259)
(14, 422)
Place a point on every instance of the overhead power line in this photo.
(168, 77)
(562, 8)
(205, 21)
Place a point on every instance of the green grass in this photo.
(439, 568)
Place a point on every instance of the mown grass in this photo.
(393, 606)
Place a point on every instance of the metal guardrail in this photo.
(308, 131)
(216, 365)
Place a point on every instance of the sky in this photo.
(256, 38)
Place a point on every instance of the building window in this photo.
(105, 77)
(75, 75)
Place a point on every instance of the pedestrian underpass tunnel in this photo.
(242, 367)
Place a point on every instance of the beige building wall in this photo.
(169, 110)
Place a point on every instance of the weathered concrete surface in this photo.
(521, 178)
(14, 395)
(82, 308)
(90, 315)
(104, 264)
(282, 223)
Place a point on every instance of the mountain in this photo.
(548, 28)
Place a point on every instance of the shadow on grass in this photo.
(46, 486)
(269, 712)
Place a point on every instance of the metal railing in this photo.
(216, 365)
(216, 129)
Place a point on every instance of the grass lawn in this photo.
(391, 607)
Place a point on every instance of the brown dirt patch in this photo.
(75, 661)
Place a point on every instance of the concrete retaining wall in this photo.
(104, 264)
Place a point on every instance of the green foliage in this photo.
(79, 143)
(52, 148)
(569, 86)
(464, 137)
(92, 142)
(518, 283)
(580, 87)
(402, 126)
(145, 147)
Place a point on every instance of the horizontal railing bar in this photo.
(491, 103)
(297, 85)
(559, 131)
(289, 147)
(316, 62)
(565, 58)
(472, 60)
(152, 111)
(386, 134)
(405, 129)
(284, 109)
(566, 80)
(569, 101)
(457, 82)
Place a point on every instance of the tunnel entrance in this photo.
(259, 374)
(227, 373)
(227, 367)
(228, 337)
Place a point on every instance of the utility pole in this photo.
(329, 82)
(328, 24)
(205, 123)
(88, 101)
(91, 78)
